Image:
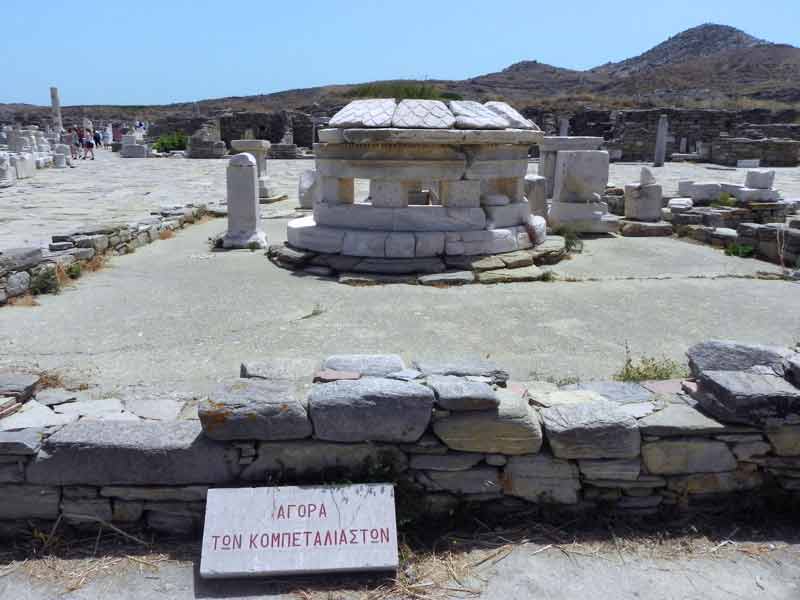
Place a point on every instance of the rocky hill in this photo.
(695, 43)
(709, 66)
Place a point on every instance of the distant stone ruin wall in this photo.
(787, 131)
(634, 131)
(771, 152)
(277, 127)
(445, 431)
(173, 124)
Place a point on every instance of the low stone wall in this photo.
(774, 242)
(771, 152)
(37, 271)
(445, 431)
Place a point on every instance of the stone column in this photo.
(563, 127)
(55, 103)
(535, 188)
(244, 211)
(258, 148)
(661, 142)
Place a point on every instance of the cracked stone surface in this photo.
(365, 113)
(423, 114)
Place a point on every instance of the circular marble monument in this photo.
(444, 180)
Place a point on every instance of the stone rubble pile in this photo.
(33, 270)
(752, 215)
(644, 202)
(446, 430)
(23, 151)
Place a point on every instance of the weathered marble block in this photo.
(259, 149)
(591, 217)
(474, 115)
(365, 113)
(761, 179)
(535, 192)
(643, 202)
(424, 114)
(580, 175)
(510, 114)
(244, 210)
(308, 189)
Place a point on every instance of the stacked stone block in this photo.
(448, 430)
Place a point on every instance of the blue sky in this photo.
(154, 52)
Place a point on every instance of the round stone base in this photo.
(250, 241)
(439, 271)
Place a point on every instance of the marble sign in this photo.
(251, 532)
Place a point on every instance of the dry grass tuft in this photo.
(97, 262)
(50, 379)
(166, 234)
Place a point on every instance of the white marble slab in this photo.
(422, 114)
(365, 113)
(251, 532)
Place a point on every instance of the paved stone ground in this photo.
(174, 318)
(526, 573)
(115, 189)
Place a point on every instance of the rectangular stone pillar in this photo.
(55, 103)
(244, 210)
(661, 142)
(336, 190)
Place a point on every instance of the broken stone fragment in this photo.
(329, 375)
(481, 480)
(463, 368)
(311, 459)
(252, 409)
(593, 429)
(369, 365)
(452, 461)
(370, 409)
(718, 355)
(687, 456)
(29, 502)
(512, 428)
(17, 385)
(457, 393)
(747, 397)
(131, 453)
(542, 478)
